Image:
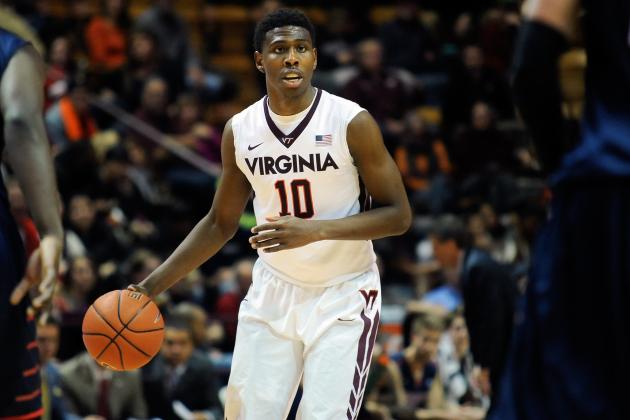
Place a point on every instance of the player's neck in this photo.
(286, 105)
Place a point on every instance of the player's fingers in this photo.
(20, 291)
(265, 236)
(266, 226)
(266, 244)
(44, 315)
(42, 298)
(276, 248)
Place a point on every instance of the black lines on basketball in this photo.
(119, 334)
(110, 317)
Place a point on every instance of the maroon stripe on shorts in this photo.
(364, 356)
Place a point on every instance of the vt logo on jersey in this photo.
(266, 165)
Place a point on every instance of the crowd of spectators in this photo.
(437, 83)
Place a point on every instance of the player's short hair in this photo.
(449, 227)
(279, 18)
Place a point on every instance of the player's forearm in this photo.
(372, 224)
(205, 240)
(28, 153)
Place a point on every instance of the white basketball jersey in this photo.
(301, 165)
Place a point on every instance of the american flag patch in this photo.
(323, 140)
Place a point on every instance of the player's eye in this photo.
(279, 50)
(301, 48)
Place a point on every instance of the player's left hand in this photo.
(41, 272)
(284, 232)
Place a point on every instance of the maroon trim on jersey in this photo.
(288, 139)
(364, 357)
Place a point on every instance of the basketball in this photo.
(123, 330)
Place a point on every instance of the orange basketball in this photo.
(123, 330)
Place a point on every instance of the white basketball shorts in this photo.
(321, 335)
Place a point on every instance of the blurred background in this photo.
(137, 93)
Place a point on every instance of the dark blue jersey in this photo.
(604, 149)
(20, 387)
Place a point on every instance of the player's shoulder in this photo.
(253, 111)
(340, 107)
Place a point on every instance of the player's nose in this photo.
(291, 59)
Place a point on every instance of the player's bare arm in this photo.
(212, 231)
(559, 14)
(544, 36)
(382, 179)
(28, 153)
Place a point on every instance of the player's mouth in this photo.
(292, 79)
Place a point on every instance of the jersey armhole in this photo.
(344, 129)
(235, 124)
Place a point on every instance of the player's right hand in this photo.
(42, 270)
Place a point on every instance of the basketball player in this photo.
(26, 150)
(570, 354)
(312, 311)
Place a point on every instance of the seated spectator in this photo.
(197, 318)
(420, 48)
(486, 160)
(471, 81)
(93, 390)
(417, 363)
(456, 366)
(71, 301)
(424, 165)
(153, 111)
(69, 119)
(143, 61)
(106, 41)
(92, 230)
(185, 181)
(180, 373)
(384, 388)
(105, 36)
(75, 295)
(391, 102)
(115, 190)
(54, 403)
(233, 284)
(173, 41)
(61, 69)
(193, 132)
(182, 67)
(489, 296)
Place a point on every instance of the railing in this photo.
(151, 133)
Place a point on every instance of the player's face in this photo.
(288, 60)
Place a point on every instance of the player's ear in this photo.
(315, 62)
(258, 59)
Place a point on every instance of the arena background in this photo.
(137, 94)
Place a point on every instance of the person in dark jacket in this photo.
(489, 295)
(180, 374)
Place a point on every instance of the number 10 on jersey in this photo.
(302, 199)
